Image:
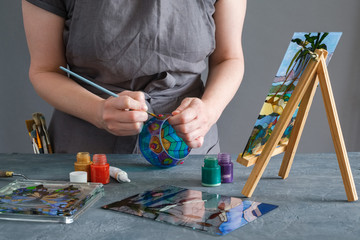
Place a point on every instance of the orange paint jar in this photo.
(83, 163)
(100, 169)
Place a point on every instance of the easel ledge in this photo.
(314, 74)
(251, 160)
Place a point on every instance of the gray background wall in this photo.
(268, 28)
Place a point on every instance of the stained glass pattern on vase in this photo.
(160, 144)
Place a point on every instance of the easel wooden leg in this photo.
(315, 72)
(298, 128)
(336, 132)
(264, 158)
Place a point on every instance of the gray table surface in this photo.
(312, 201)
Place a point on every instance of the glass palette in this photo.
(212, 213)
(47, 201)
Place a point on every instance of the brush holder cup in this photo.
(160, 145)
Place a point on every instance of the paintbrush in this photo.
(98, 86)
(29, 124)
(35, 146)
(44, 128)
(36, 133)
(10, 174)
(39, 129)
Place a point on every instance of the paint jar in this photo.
(83, 163)
(100, 169)
(210, 172)
(160, 145)
(226, 166)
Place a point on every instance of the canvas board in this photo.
(287, 77)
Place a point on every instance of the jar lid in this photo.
(210, 162)
(99, 159)
(78, 177)
(224, 158)
(83, 157)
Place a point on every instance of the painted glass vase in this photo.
(160, 145)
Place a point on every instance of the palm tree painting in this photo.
(301, 49)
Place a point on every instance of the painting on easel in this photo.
(301, 49)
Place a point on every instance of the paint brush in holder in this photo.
(33, 136)
(41, 125)
(38, 134)
(40, 131)
(100, 88)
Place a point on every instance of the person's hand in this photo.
(191, 121)
(124, 115)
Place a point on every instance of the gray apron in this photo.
(158, 47)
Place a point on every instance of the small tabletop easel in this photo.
(315, 73)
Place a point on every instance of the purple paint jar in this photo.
(226, 165)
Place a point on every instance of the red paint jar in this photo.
(100, 169)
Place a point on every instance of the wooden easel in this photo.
(316, 72)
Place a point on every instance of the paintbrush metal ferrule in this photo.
(20, 175)
(151, 114)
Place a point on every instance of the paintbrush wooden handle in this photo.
(6, 173)
(50, 149)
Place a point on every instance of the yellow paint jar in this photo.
(83, 163)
